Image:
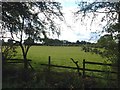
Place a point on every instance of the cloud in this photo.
(72, 30)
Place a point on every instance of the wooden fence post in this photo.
(83, 68)
(83, 74)
(49, 62)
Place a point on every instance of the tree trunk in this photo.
(24, 56)
(25, 77)
(25, 62)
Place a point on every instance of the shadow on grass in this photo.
(13, 77)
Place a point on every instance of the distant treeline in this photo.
(57, 42)
(51, 42)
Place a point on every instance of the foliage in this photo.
(21, 18)
(24, 22)
(43, 79)
(95, 8)
(106, 47)
(114, 29)
(8, 50)
(53, 42)
(112, 17)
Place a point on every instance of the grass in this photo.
(41, 78)
(60, 55)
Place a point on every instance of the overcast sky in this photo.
(72, 30)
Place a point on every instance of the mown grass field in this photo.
(60, 55)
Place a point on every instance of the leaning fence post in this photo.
(83, 68)
(49, 62)
(76, 63)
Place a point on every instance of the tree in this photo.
(105, 41)
(111, 12)
(77, 42)
(109, 9)
(28, 21)
(8, 50)
(110, 47)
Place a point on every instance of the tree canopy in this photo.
(110, 10)
(30, 21)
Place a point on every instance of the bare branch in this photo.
(76, 63)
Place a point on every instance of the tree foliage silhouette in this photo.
(111, 12)
(28, 21)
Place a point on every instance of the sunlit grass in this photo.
(60, 55)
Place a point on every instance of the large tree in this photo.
(27, 22)
(111, 11)
(110, 48)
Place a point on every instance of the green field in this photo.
(60, 55)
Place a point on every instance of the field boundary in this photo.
(84, 69)
(15, 60)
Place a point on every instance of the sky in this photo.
(72, 30)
